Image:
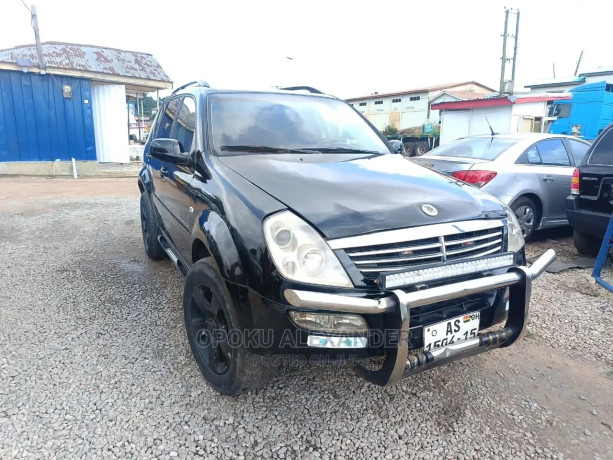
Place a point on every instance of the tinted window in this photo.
(530, 157)
(482, 148)
(288, 121)
(552, 152)
(168, 116)
(578, 149)
(185, 125)
(560, 110)
(602, 154)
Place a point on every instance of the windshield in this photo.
(481, 148)
(282, 122)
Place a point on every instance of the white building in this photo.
(505, 114)
(406, 109)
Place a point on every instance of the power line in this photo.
(27, 7)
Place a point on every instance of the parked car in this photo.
(590, 203)
(299, 232)
(529, 172)
(397, 145)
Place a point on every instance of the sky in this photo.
(344, 48)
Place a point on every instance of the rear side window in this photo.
(578, 149)
(168, 117)
(602, 153)
(553, 152)
(530, 157)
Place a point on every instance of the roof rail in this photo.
(302, 88)
(200, 83)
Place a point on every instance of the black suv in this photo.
(590, 203)
(300, 232)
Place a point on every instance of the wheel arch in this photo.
(537, 202)
(144, 181)
(211, 237)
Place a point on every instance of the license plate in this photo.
(454, 330)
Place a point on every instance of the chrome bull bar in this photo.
(398, 362)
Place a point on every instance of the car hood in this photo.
(345, 195)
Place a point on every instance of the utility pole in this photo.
(504, 58)
(515, 47)
(504, 50)
(554, 70)
(578, 62)
(39, 47)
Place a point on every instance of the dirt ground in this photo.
(548, 396)
(15, 191)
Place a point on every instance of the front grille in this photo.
(430, 245)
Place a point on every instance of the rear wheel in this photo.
(421, 148)
(586, 244)
(407, 150)
(150, 230)
(210, 317)
(527, 215)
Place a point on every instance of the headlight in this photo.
(516, 236)
(300, 254)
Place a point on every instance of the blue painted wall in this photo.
(37, 123)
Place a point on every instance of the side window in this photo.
(553, 152)
(529, 157)
(578, 149)
(602, 154)
(167, 118)
(185, 124)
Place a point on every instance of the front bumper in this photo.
(399, 362)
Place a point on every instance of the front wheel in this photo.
(214, 336)
(527, 215)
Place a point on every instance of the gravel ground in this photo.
(94, 363)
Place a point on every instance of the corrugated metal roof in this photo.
(499, 101)
(425, 89)
(90, 58)
(557, 82)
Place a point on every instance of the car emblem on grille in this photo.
(429, 210)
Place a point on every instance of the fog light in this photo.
(324, 322)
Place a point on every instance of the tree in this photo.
(390, 130)
(148, 104)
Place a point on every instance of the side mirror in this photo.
(169, 150)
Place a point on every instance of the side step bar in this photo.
(172, 254)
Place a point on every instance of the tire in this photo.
(209, 315)
(408, 150)
(421, 148)
(150, 229)
(586, 244)
(527, 215)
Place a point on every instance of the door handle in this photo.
(548, 179)
(163, 172)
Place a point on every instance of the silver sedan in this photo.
(529, 172)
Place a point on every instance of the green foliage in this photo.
(148, 104)
(389, 130)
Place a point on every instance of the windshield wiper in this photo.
(344, 150)
(264, 149)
